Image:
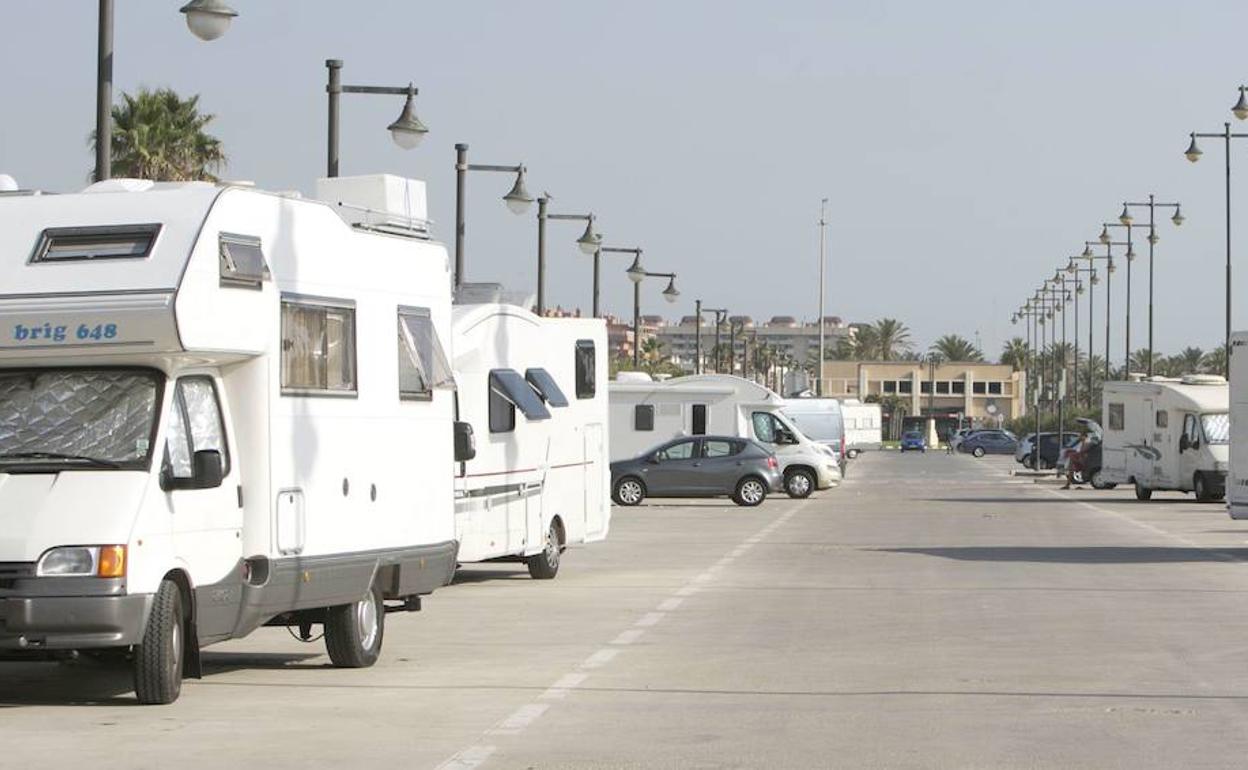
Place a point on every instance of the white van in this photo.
(1167, 434)
(530, 387)
(864, 426)
(220, 409)
(645, 413)
(1237, 486)
(821, 420)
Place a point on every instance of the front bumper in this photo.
(829, 475)
(40, 614)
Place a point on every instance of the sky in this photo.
(966, 149)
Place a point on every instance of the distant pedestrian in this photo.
(1075, 461)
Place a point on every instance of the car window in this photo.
(716, 448)
(682, 450)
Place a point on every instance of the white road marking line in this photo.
(521, 718)
(469, 758)
(649, 619)
(667, 605)
(688, 590)
(600, 658)
(566, 683)
(629, 636)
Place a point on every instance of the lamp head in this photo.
(518, 198)
(1178, 217)
(636, 273)
(589, 240)
(1079, 289)
(1125, 216)
(407, 131)
(210, 19)
(1095, 278)
(1070, 267)
(1087, 252)
(1193, 152)
(1153, 237)
(1104, 236)
(1241, 107)
(1131, 253)
(1111, 266)
(670, 294)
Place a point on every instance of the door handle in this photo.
(697, 465)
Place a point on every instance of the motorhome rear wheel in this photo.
(545, 565)
(1142, 492)
(353, 632)
(158, 658)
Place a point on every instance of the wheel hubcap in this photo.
(175, 647)
(366, 621)
(752, 492)
(799, 484)
(552, 548)
(630, 492)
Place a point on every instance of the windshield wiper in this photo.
(95, 461)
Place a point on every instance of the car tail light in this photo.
(771, 463)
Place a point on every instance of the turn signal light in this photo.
(112, 562)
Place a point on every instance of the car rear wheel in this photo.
(799, 483)
(751, 491)
(978, 451)
(1142, 492)
(629, 491)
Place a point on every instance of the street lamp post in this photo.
(823, 229)
(720, 314)
(406, 130)
(637, 274)
(1109, 297)
(1104, 238)
(588, 243)
(517, 199)
(598, 252)
(1178, 219)
(207, 20)
(1193, 154)
(1075, 270)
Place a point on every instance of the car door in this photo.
(673, 472)
(1189, 450)
(720, 465)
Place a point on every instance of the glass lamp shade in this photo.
(1070, 267)
(1153, 238)
(1095, 279)
(1111, 267)
(1241, 107)
(208, 19)
(1079, 289)
(636, 273)
(1104, 236)
(670, 294)
(1087, 252)
(407, 131)
(518, 199)
(1125, 216)
(1193, 152)
(1178, 217)
(588, 242)
(1131, 254)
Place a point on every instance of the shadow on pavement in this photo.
(1079, 554)
(996, 500)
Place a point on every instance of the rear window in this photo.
(1115, 419)
(719, 448)
(643, 417)
(586, 361)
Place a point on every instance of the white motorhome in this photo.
(220, 408)
(1167, 434)
(1237, 481)
(645, 413)
(864, 426)
(530, 387)
(821, 420)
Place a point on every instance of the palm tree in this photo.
(1214, 361)
(1187, 362)
(953, 347)
(864, 346)
(1139, 361)
(892, 337)
(159, 135)
(1015, 353)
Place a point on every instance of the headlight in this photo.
(83, 561)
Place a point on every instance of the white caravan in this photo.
(530, 389)
(645, 413)
(820, 419)
(1237, 482)
(1167, 434)
(864, 426)
(220, 408)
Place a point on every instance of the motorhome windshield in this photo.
(1217, 427)
(77, 418)
(821, 426)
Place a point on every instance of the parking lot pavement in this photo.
(934, 611)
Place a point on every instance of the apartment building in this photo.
(980, 391)
(788, 335)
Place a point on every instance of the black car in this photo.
(701, 466)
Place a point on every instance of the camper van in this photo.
(220, 409)
(531, 388)
(1167, 434)
(864, 427)
(645, 413)
(821, 420)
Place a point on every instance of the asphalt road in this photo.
(932, 612)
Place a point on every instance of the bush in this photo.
(1021, 426)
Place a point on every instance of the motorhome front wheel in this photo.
(353, 632)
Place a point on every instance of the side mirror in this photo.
(465, 442)
(207, 472)
(1184, 443)
(653, 459)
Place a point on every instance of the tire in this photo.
(851, 453)
(1027, 461)
(629, 491)
(751, 491)
(545, 565)
(1201, 487)
(1142, 492)
(1098, 480)
(354, 632)
(978, 451)
(158, 658)
(902, 450)
(799, 484)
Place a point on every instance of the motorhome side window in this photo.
(586, 361)
(699, 420)
(502, 411)
(241, 261)
(1114, 419)
(318, 348)
(422, 363)
(1163, 419)
(83, 244)
(643, 417)
(195, 425)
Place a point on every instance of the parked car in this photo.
(1049, 452)
(702, 466)
(959, 436)
(913, 440)
(989, 442)
(1090, 460)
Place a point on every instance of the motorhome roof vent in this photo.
(382, 202)
(491, 294)
(633, 377)
(1155, 378)
(1203, 379)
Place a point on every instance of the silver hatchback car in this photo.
(700, 466)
